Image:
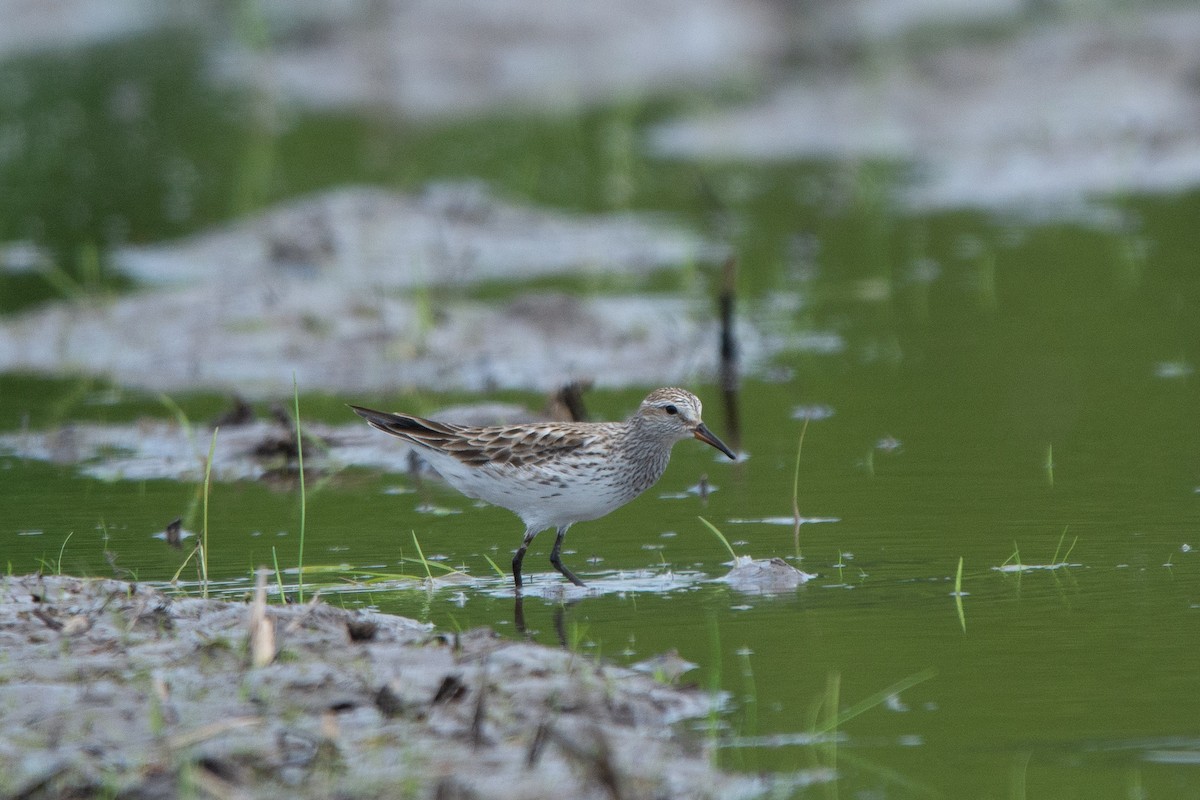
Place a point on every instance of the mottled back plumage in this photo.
(554, 474)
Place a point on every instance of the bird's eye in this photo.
(671, 410)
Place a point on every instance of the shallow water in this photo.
(1006, 391)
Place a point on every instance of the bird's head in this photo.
(675, 414)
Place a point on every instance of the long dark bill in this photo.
(708, 437)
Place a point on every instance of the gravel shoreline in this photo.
(121, 689)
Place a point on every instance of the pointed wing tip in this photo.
(376, 419)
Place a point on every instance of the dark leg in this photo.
(519, 556)
(557, 562)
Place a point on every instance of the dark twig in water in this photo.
(728, 378)
(239, 413)
(566, 405)
(286, 444)
(174, 533)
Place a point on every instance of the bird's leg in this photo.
(557, 562)
(519, 556)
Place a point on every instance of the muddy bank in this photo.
(452, 233)
(30, 27)
(154, 449)
(429, 58)
(1051, 113)
(253, 339)
(159, 449)
(432, 58)
(121, 689)
(1053, 103)
(347, 291)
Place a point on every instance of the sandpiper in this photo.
(554, 474)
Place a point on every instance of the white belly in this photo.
(547, 498)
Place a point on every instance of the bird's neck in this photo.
(648, 452)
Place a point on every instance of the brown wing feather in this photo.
(524, 445)
(516, 445)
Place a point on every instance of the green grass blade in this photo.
(430, 565)
(720, 536)
(421, 555)
(499, 571)
(875, 699)
(958, 596)
(181, 418)
(796, 490)
(62, 549)
(1071, 549)
(278, 575)
(212, 449)
(303, 495)
(1058, 547)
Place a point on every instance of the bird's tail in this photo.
(424, 432)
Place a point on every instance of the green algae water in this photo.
(1018, 394)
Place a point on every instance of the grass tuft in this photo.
(62, 549)
(1060, 559)
(1058, 547)
(46, 565)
